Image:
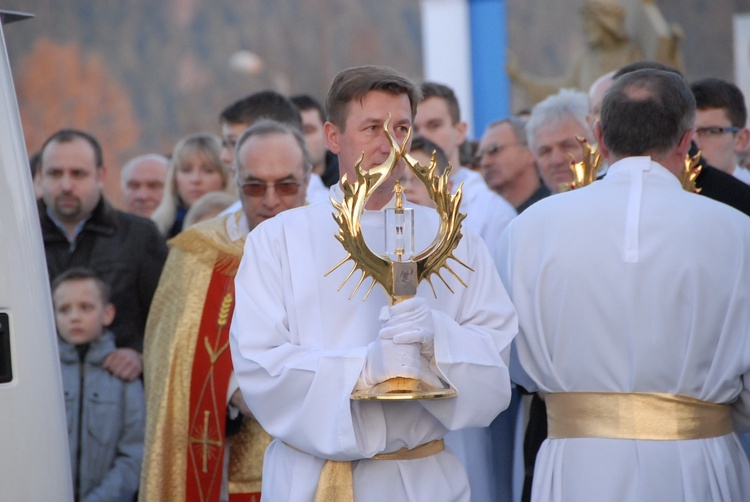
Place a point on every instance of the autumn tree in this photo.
(60, 87)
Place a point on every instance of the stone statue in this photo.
(609, 45)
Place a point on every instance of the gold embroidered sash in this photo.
(335, 481)
(649, 416)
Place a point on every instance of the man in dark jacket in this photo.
(80, 228)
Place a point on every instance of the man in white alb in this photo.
(632, 298)
(300, 346)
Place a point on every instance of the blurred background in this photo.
(141, 74)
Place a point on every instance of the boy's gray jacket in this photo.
(106, 432)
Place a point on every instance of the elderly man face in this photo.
(271, 174)
(143, 181)
(502, 157)
(555, 144)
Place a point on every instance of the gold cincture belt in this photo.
(335, 482)
(652, 416)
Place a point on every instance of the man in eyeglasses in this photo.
(196, 415)
(508, 164)
(720, 131)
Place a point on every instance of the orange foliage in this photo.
(59, 87)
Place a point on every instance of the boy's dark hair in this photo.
(435, 90)
(717, 93)
(82, 274)
(306, 102)
(262, 105)
(422, 144)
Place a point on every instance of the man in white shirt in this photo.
(300, 345)
(487, 214)
(439, 120)
(633, 320)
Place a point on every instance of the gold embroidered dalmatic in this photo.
(186, 373)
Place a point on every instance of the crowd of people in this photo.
(209, 349)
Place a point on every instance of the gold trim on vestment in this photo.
(335, 481)
(172, 331)
(649, 416)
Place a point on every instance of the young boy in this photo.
(106, 415)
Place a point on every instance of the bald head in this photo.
(142, 179)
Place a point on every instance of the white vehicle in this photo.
(34, 458)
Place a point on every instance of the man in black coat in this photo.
(81, 228)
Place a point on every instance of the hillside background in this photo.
(140, 74)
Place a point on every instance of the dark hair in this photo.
(717, 93)
(262, 105)
(435, 90)
(646, 112)
(84, 274)
(422, 144)
(306, 102)
(643, 65)
(70, 135)
(354, 83)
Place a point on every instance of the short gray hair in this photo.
(568, 103)
(266, 127)
(125, 171)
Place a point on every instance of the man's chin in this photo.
(68, 213)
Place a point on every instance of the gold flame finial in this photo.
(584, 172)
(690, 172)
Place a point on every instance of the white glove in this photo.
(409, 321)
(386, 359)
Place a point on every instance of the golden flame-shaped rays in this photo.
(355, 195)
(584, 172)
(690, 172)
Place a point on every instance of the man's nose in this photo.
(271, 198)
(227, 156)
(66, 182)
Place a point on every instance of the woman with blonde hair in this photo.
(194, 170)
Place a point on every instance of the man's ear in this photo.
(109, 314)
(599, 135)
(101, 173)
(332, 133)
(683, 147)
(743, 138)
(461, 128)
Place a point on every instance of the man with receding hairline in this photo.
(142, 179)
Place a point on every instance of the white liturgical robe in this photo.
(299, 346)
(633, 285)
(487, 213)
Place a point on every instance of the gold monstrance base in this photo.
(403, 389)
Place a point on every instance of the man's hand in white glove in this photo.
(386, 359)
(409, 321)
